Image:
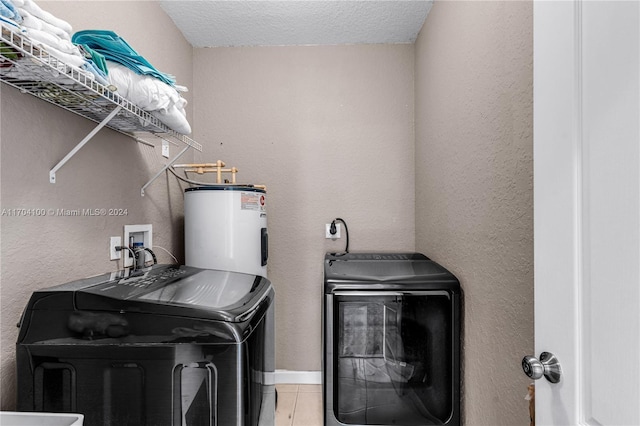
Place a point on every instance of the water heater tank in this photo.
(225, 228)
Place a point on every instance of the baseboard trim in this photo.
(299, 377)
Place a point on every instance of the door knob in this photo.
(548, 366)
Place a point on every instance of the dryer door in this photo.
(393, 357)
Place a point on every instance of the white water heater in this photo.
(225, 228)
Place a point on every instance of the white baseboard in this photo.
(299, 377)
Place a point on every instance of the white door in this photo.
(587, 209)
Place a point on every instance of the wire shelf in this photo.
(32, 70)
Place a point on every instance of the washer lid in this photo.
(391, 271)
(208, 289)
(179, 291)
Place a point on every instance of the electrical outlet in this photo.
(113, 243)
(165, 149)
(327, 232)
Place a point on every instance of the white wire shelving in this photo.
(32, 70)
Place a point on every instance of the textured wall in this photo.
(329, 130)
(474, 188)
(106, 173)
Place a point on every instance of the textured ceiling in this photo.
(309, 22)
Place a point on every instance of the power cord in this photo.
(333, 230)
(168, 252)
(138, 251)
(133, 255)
(153, 255)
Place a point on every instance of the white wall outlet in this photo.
(165, 149)
(113, 243)
(137, 234)
(327, 232)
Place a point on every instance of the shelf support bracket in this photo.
(169, 164)
(52, 172)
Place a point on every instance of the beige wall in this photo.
(107, 173)
(329, 130)
(474, 188)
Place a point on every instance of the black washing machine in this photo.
(391, 340)
(167, 345)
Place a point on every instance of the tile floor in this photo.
(299, 405)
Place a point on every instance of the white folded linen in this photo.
(31, 21)
(31, 7)
(174, 118)
(54, 41)
(152, 95)
(73, 60)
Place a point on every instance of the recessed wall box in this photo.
(134, 235)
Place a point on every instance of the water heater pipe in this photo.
(216, 167)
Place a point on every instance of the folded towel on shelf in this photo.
(10, 23)
(99, 55)
(61, 49)
(53, 35)
(49, 32)
(35, 10)
(116, 49)
(100, 76)
(9, 10)
(51, 40)
(64, 54)
(174, 118)
(72, 60)
(31, 21)
(96, 58)
(146, 92)
(152, 95)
